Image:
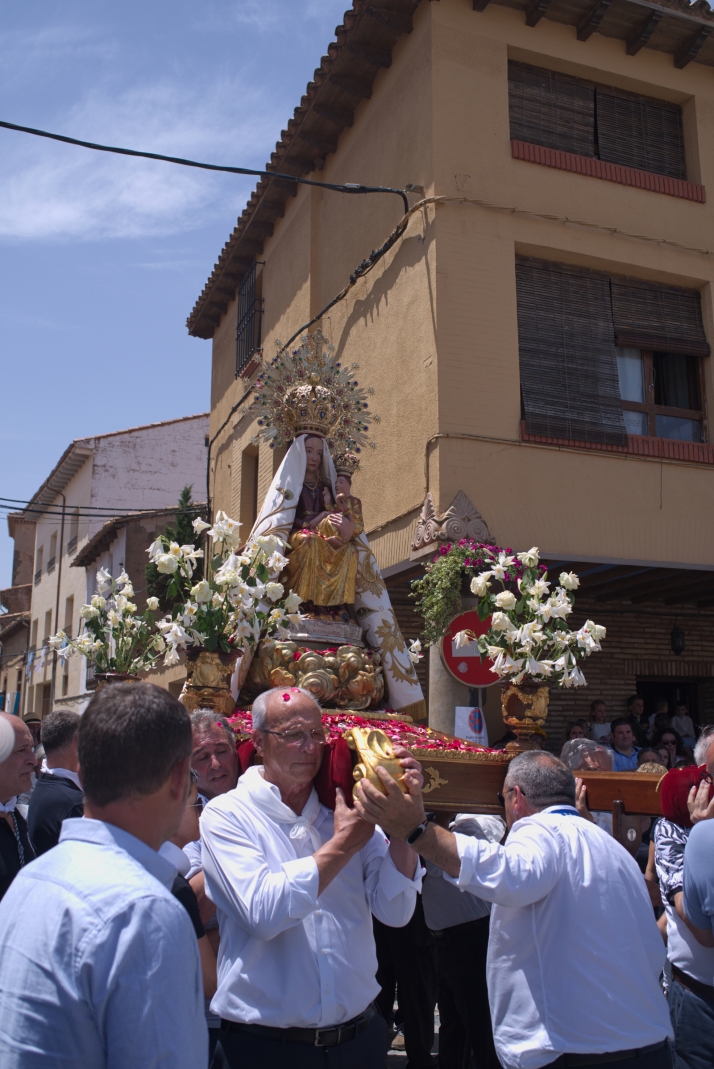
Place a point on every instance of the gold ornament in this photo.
(346, 464)
(307, 391)
(351, 677)
(208, 677)
(374, 749)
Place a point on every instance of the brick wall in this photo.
(637, 646)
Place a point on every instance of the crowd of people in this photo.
(172, 902)
(666, 738)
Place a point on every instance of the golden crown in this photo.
(346, 464)
(308, 392)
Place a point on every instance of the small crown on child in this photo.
(346, 464)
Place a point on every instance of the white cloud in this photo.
(49, 190)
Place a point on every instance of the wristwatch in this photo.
(421, 828)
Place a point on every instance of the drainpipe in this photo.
(57, 601)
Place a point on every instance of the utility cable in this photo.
(346, 187)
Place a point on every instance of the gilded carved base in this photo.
(349, 677)
(524, 708)
(373, 749)
(208, 677)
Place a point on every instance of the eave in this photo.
(363, 45)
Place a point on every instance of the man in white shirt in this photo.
(574, 954)
(295, 885)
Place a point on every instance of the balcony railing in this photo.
(72, 544)
(50, 565)
(38, 576)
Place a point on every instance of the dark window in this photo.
(250, 313)
(573, 115)
(602, 357)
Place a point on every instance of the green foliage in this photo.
(161, 586)
(438, 593)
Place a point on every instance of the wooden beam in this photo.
(535, 11)
(338, 116)
(640, 37)
(590, 22)
(353, 88)
(692, 48)
(397, 20)
(377, 57)
(480, 5)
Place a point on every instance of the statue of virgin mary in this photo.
(307, 399)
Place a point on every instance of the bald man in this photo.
(15, 778)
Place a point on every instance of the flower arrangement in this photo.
(528, 638)
(115, 638)
(414, 736)
(237, 604)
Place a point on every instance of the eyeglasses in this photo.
(196, 805)
(299, 738)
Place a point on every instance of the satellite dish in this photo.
(7, 739)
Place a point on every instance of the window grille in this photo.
(250, 314)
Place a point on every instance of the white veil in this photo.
(372, 605)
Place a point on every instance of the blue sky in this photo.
(102, 258)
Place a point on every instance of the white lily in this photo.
(292, 602)
(104, 580)
(530, 558)
(200, 525)
(202, 592)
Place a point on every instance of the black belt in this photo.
(576, 1060)
(697, 987)
(317, 1037)
(480, 922)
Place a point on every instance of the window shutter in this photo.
(569, 382)
(637, 131)
(551, 109)
(663, 318)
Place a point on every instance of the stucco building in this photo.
(101, 506)
(538, 337)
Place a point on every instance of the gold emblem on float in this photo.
(374, 748)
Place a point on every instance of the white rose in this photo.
(167, 564)
(98, 602)
(274, 590)
(505, 600)
(202, 592)
(500, 622)
(152, 604)
(569, 581)
(88, 612)
(130, 607)
(480, 584)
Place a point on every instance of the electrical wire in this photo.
(346, 187)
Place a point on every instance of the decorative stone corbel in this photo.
(461, 520)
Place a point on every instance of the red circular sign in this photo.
(465, 663)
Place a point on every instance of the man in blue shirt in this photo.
(99, 967)
(691, 1000)
(623, 744)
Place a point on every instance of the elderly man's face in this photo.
(16, 770)
(214, 760)
(293, 744)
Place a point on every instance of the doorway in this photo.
(673, 690)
